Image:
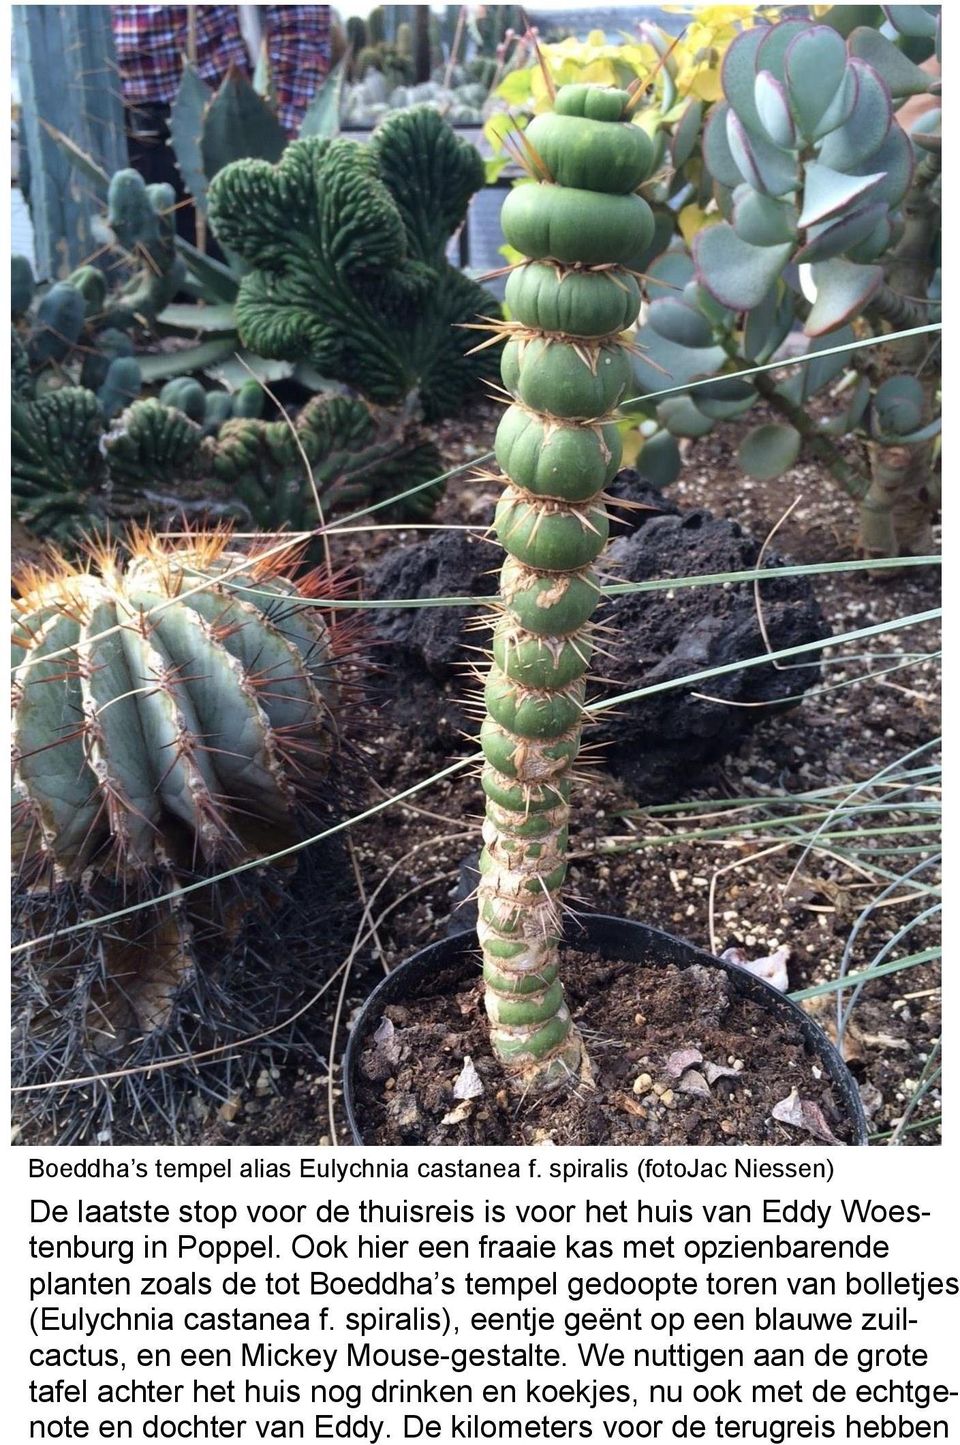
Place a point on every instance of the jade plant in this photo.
(174, 714)
(829, 219)
(345, 249)
(73, 472)
(566, 365)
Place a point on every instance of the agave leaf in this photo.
(867, 127)
(737, 274)
(239, 123)
(814, 67)
(902, 77)
(761, 220)
(835, 238)
(322, 115)
(210, 320)
(717, 155)
(214, 281)
(682, 418)
(843, 290)
(826, 192)
(237, 367)
(158, 366)
(79, 159)
(676, 321)
(768, 451)
(774, 110)
(186, 124)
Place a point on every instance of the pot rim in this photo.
(460, 945)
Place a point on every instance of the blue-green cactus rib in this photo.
(202, 723)
(116, 747)
(48, 743)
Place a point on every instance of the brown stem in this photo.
(818, 445)
(897, 514)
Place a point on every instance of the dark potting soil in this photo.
(677, 1058)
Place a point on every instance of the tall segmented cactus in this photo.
(566, 367)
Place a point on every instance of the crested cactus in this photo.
(78, 467)
(345, 245)
(354, 454)
(173, 716)
(566, 366)
(56, 460)
(825, 199)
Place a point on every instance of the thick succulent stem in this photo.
(566, 368)
(897, 514)
(854, 483)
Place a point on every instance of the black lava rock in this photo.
(657, 744)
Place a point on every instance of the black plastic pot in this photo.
(452, 961)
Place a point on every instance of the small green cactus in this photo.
(566, 367)
(142, 220)
(92, 285)
(120, 387)
(58, 322)
(22, 286)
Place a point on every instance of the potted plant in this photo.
(566, 364)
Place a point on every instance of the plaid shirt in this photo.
(151, 42)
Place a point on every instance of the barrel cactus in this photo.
(566, 366)
(174, 715)
(345, 247)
